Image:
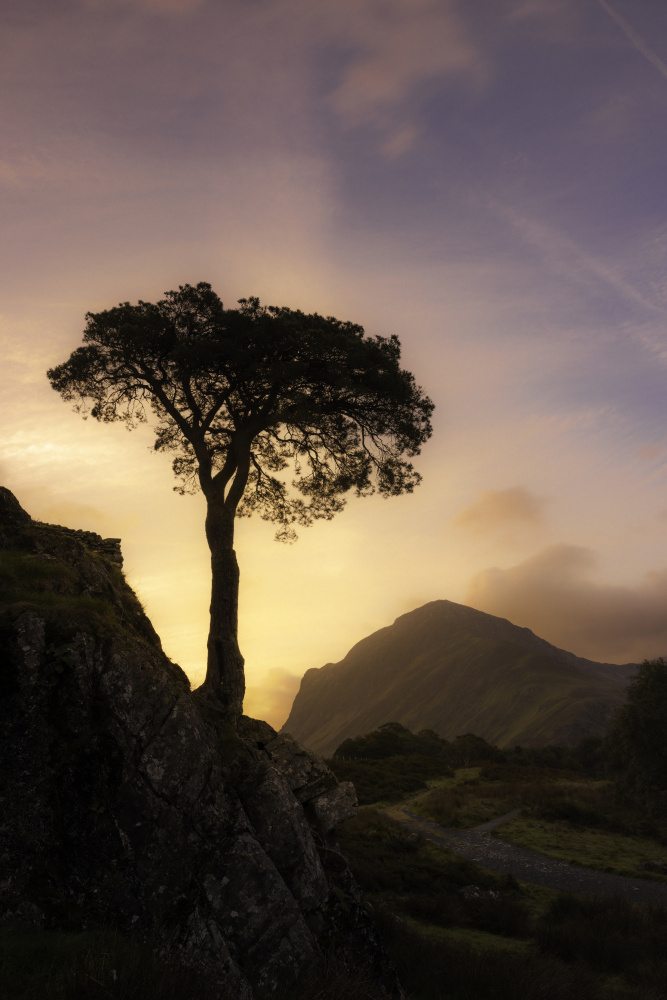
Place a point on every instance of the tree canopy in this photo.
(239, 394)
(268, 410)
(637, 739)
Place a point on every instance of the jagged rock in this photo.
(335, 806)
(306, 773)
(11, 511)
(126, 801)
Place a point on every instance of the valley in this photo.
(582, 916)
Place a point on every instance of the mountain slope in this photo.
(450, 668)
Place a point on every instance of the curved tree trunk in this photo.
(225, 679)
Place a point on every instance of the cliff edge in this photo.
(128, 804)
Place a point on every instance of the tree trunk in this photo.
(225, 679)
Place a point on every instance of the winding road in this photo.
(478, 845)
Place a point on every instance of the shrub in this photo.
(391, 779)
(438, 969)
(610, 934)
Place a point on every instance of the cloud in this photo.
(559, 18)
(534, 8)
(499, 508)
(552, 594)
(400, 44)
(567, 258)
(271, 699)
(158, 6)
(400, 141)
(635, 39)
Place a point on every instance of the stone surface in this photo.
(335, 806)
(126, 802)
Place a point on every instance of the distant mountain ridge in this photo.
(450, 668)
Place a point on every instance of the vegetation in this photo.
(637, 740)
(239, 396)
(506, 939)
(392, 740)
(106, 965)
(526, 942)
(69, 591)
(593, 847)
(389, 780)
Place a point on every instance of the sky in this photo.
(483, 178)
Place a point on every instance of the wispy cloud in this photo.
(159, 6)
(495, 509)
(567, 258)
(635, 39)
(399, 44)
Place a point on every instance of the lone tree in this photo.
(240, 396)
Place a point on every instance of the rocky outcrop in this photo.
(127, 802)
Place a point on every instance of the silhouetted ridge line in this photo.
(453, 669)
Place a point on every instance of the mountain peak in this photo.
(454, 669)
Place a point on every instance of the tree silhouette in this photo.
(636, 740)
(240, 396)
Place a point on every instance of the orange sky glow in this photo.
(410, 165)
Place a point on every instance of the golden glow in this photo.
(375, 162)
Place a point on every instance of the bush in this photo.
(637, 740)
(386, 858)
(391, 779)
(610, 934)
(432, 968)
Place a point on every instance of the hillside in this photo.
(452, 669)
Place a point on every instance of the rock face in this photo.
(127, 802)
(456, 670)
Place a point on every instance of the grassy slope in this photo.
(604, 850)
(574, 821)
(533, 944)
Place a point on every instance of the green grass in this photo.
(462, 806)
(568, 820)
(58, 590)
(594, 848)
(472, 938)
(29, 578)
(580, 952)
(19, 566)
(422, 879)
(534, 944)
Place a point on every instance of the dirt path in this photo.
(528, 866)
